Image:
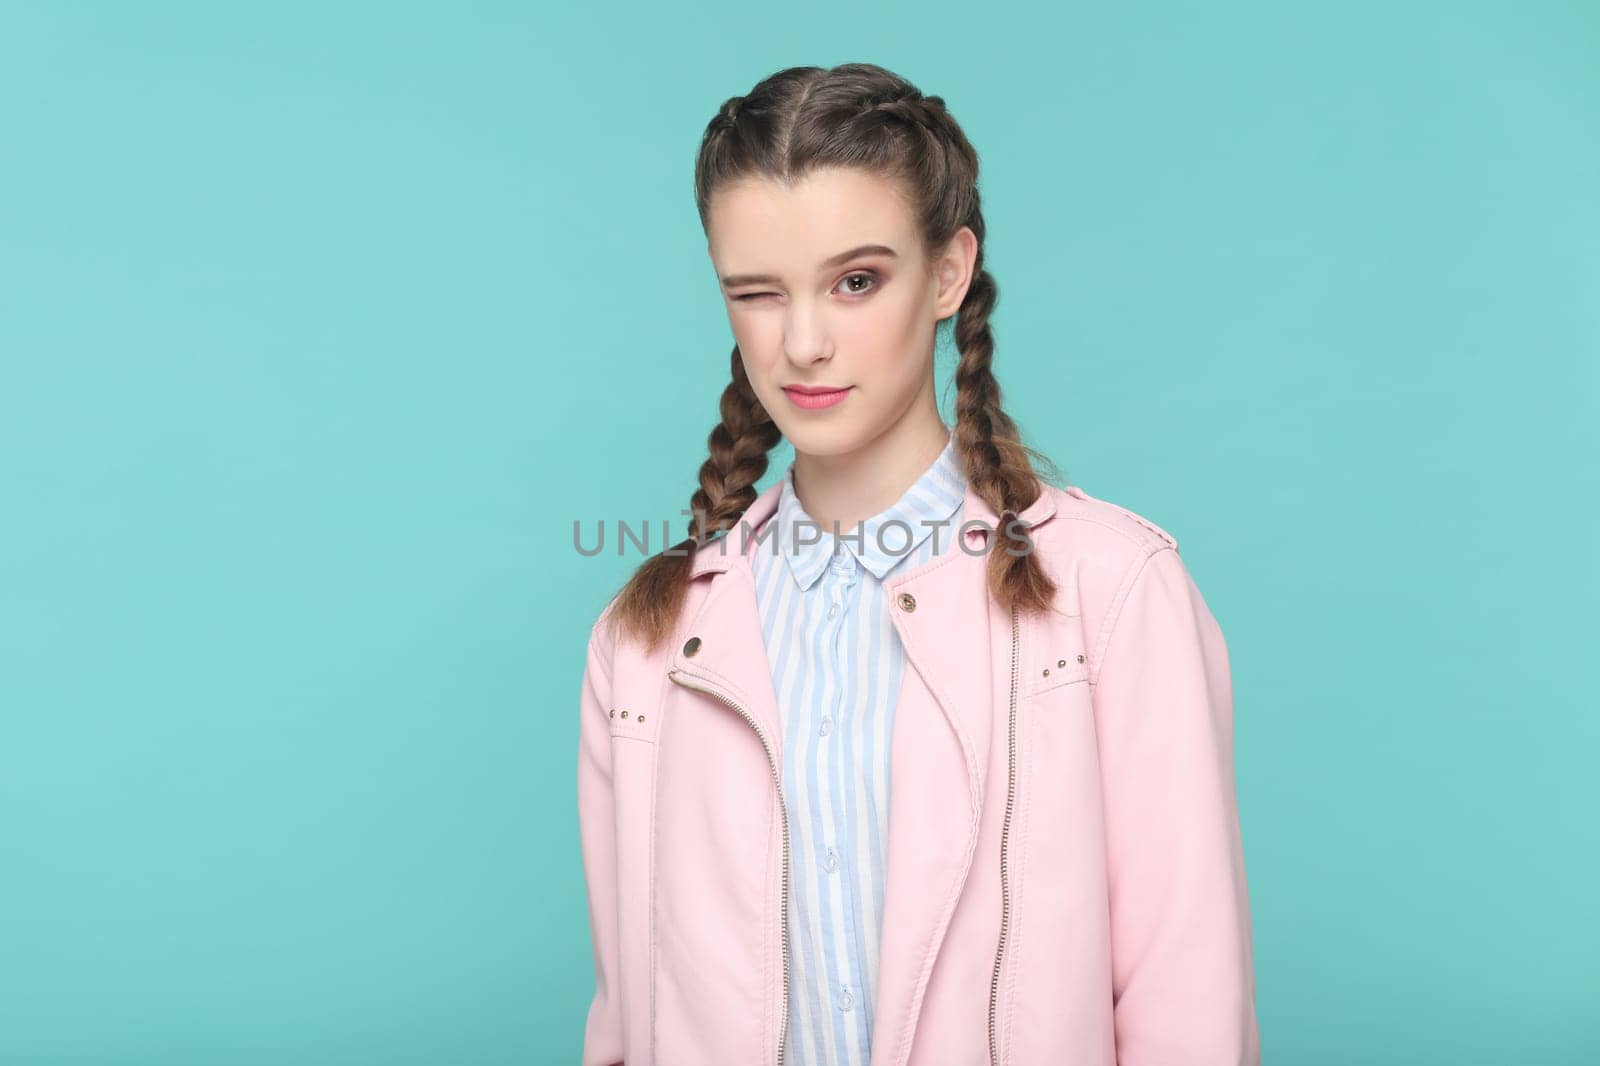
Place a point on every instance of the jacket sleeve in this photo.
(1183, 979)
(602, 1037)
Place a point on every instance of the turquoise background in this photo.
(322, 323)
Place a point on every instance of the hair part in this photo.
(859, 115)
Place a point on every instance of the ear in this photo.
(953, 272)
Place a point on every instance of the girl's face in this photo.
(827, 287)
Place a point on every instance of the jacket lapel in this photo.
(939, 751)
(958, 644)
(730, 651)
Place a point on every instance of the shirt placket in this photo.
(841, 585)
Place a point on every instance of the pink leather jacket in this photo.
(1066, 878)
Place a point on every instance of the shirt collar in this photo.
(934, 497)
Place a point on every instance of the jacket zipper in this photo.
(783, 1023)
(1005, 834)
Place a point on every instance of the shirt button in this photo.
(846, 1000)
(833, 612)
(831, 863)
(826, 727)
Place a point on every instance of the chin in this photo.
(825, 440)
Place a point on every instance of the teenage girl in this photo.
(913, 757)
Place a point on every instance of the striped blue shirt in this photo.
(837, 666)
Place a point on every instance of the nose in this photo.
(805, 335)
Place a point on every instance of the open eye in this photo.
(863, 275)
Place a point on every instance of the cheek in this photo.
(890, 343)
(760, 343)
(899, 320)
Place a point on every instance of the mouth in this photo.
(812, 397)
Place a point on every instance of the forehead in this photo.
(761, 224)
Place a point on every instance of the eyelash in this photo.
(871, 275)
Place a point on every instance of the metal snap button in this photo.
(907, 602)
(691, 645)
(1061, 662)
(1080, 658)
(624, 714)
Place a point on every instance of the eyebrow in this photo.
(734, 280)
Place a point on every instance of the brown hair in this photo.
(852, 115)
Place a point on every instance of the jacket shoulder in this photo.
(1094, 549)
(603, 639)
(1073, 504)
(623, 654)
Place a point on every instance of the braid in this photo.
(913, 108)
(997, 462)
(740, 447)
(927, 117)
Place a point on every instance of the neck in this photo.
(853, 486)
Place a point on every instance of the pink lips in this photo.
(816, 399)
